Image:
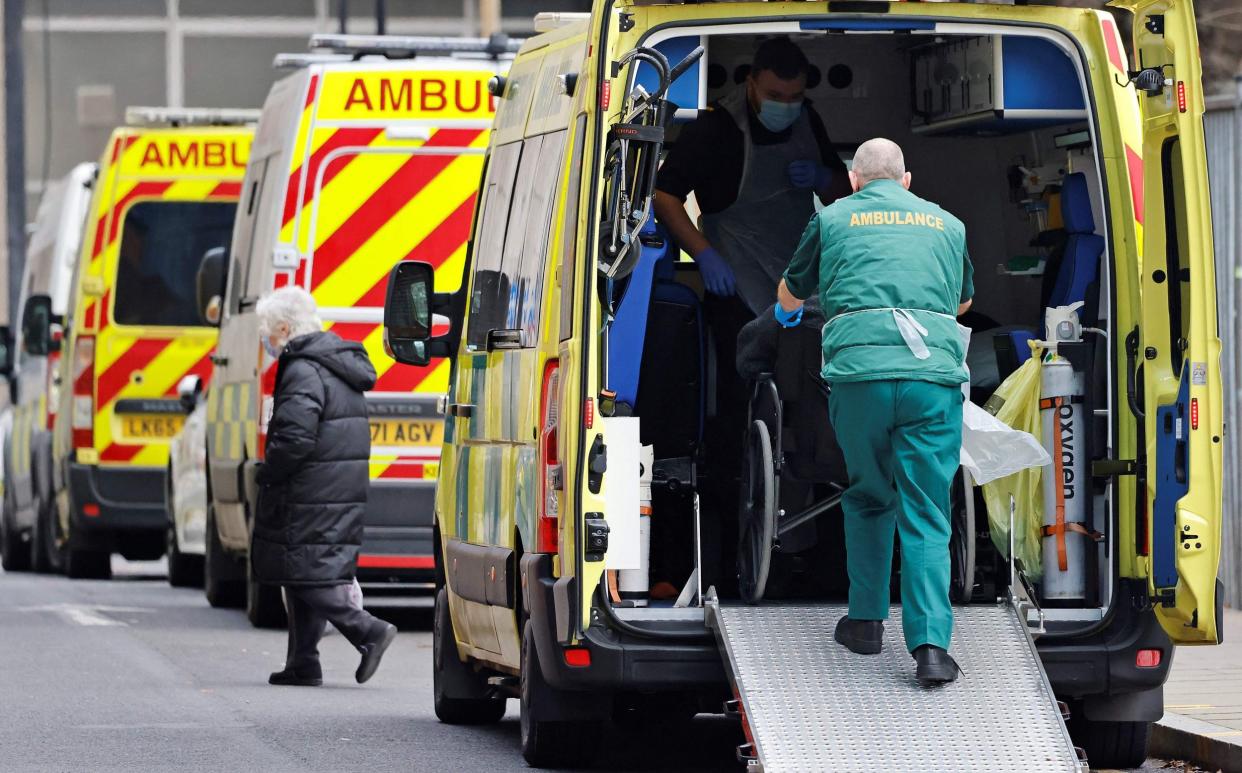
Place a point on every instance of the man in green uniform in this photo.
(892, 274)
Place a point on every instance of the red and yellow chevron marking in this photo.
(375, 204)
(1131, 123)
(141, 165)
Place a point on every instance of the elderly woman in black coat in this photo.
(314, 485)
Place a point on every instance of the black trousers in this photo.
(724, 435)
(309, 608)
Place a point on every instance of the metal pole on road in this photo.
(13, 165)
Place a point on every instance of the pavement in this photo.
(132, 675)
(1203, 702)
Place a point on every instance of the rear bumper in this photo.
(1104, 664)
(127, 498)
(619, 662)
(125, 506)
(397, 540)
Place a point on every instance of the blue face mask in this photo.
(273, 351)
(778, 116)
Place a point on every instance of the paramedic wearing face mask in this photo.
(892, 275)
(753, 162)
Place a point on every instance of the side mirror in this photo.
(37, 320)
(188, 391)
(6, 351)
(410, 313)
(209, 285)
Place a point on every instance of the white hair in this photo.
(879, 159)
(291, 305)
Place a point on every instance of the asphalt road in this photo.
(132, 675)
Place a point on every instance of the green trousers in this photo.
(901, 441)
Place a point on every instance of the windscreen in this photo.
(162, 244)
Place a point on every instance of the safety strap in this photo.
(1059, 475)
(1060, 527)
(1048, 402)
(1077, 528)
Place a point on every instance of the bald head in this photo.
(878, 159)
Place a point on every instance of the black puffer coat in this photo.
(314, 479)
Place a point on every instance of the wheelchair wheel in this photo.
(757, 528)
(962, 540)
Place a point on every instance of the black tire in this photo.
(961, 543)
(14, 552)
(185, 570)
(88, 564)
(551, 744)
(265, 608)
(461, 696)
(44, 552)
(1111, 744)
(221, 581)
(758, 515)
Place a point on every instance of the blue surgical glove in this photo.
(717, 275)
(809, 175)
(788, 318)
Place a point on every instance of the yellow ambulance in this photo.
(1062, 153)
(166, 194)
(359, 160)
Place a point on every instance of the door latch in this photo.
(597, 464)
(596, 536)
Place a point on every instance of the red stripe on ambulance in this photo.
(119, 373)
(397, 191)
(342, 138)
(1135, 164)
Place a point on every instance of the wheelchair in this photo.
(790, 440)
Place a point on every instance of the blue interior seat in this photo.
(657, 349)
(1079, 268)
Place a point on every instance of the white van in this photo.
(27, 528)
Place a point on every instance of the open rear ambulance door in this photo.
(1180, 347)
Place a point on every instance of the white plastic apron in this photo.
(913, 333)
(758, 233)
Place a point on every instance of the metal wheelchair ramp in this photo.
(809, 704)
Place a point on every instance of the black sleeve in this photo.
(691, 156)
(294, 426)
(826, 152)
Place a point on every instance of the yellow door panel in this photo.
(1180, 346)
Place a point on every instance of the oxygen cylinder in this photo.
(1065, 484)
(633, 585)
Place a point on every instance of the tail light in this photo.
(551, 480)
(53, 387)
(83, 419)
(1147, 659)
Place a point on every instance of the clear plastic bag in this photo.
(1016, 404)
(991, 449)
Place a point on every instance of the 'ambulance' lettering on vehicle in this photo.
(187, 156)
(429, 94)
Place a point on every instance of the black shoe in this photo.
(373, 650)
(864, 637)
(935, 666)
(297, 677)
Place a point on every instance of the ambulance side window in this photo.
(244, 236)
(569, 238)
(488, 296)
(524, 190)
(546, 175)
